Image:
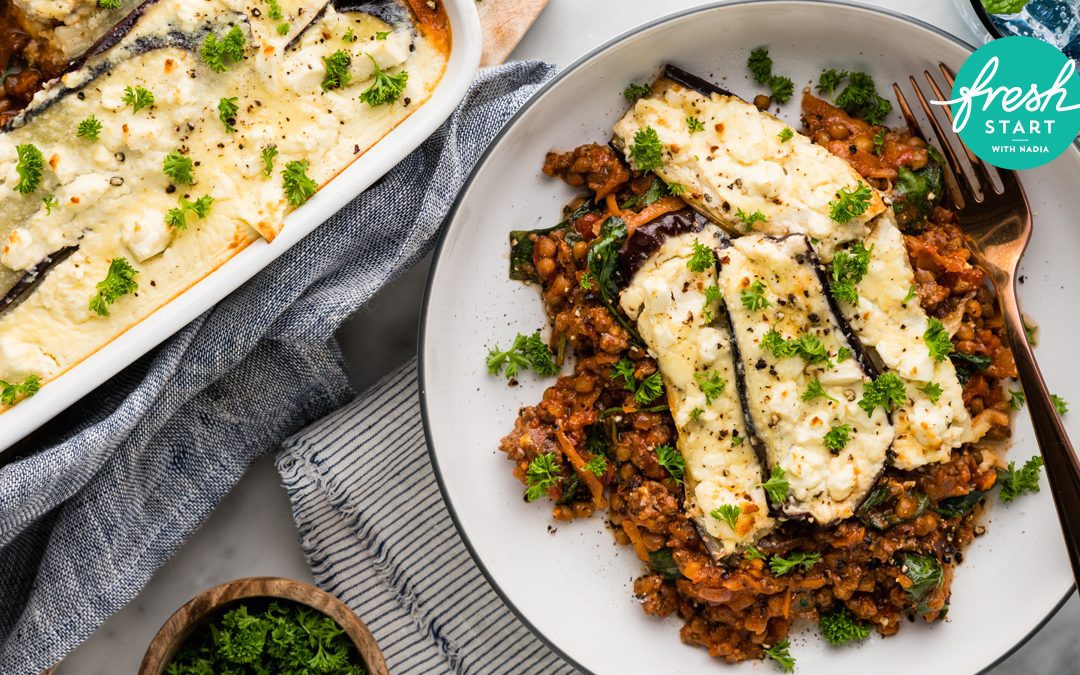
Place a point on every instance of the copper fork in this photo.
(997, 224)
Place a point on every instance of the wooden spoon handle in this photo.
(505, 22)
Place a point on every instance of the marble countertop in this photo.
(252, 532)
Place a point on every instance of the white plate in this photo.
(151, 331)
(574, 587)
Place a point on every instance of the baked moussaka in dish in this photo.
(786, 384)
(178, 133)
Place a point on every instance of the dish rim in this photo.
(452, 215)
(138, 339)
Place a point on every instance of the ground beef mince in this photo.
(735, 611)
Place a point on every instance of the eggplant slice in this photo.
(742, 162)
(889, 319)
(680, 323)
(801, 373)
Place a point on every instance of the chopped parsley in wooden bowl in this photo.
(263, 625)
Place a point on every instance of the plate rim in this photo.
(452, 215)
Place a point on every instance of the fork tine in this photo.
(978, 164)
(913, 125)
(905, 110)
(968, 187)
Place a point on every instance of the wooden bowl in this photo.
(206, 606)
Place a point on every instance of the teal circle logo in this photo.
(1016, 102)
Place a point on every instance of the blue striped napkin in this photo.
(377, 534)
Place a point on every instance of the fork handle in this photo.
(1062, 466)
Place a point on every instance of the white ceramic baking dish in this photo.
(78, 381)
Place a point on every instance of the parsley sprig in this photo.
(649, 389)
(268, 154)
(386, 88)
(748, 219)
(541, 475)
(780, 653)
(1017, 399)
(527, 351)
(646, 152)
(220, 53)
(694, 125)
(777, 486)
(30, 167)
(138, 98)
(227, 110)
(781, 565)
(701, 259)
(1015, 482)
(937, 340)
(711, 384)
(840, 627)
(337, 70)
(118, 282)
(850, 203)
(760, 65)
(646, 391)
(635, 91)
(179, 168)
(849, 266)
(712, 295)
(859, 97)
(808, 346)
(13, 392)
(727, 513)
(669, 458)
(753, 297)
(177, 217)
(89, 129)
(816, 390)
(624, 369)
(932, 391)
(837, 437)
(298, 186)
(597, 465)
(886, 392)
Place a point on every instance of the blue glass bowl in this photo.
(1055, 21)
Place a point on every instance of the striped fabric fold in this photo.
(378, 535)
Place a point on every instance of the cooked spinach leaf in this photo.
(955, 507)
(916, 193)
(569, 485)
(968, 364)
(522, 244)
(663, 564)
(603, 267)
(925, 573)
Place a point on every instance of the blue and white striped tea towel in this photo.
(377, 534)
